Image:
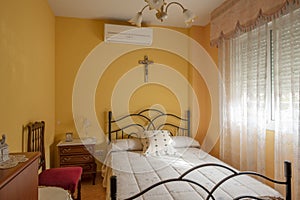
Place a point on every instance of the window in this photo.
(258, 90)
(272, 86)
(282, 47)
(271, 81)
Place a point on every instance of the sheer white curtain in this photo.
(286, 40)
(259, 68)
(243, 66)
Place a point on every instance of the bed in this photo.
(153, 156)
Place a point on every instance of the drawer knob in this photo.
(66, 159)
(87, 157)
(66, 150)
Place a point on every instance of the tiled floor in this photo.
(90, 191)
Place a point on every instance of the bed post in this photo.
(109, 125)
(288, 176)
(113, 187)
(189, 122)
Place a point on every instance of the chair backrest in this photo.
(35, 142)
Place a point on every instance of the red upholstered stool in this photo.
(64, 177)
(68, 178)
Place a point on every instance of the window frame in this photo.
(270, 77)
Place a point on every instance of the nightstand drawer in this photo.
(78, 149)
(71, 159)
(77, 153)
(87, 168)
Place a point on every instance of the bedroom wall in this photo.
(76, 39)
(153, 92)
(202, 35)
(26, 69)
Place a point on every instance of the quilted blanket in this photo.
(136, 172)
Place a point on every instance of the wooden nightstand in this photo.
(78, 153)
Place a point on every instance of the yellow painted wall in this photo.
(146, 96)
(76, 38)
(26, 69)
(39, 58)
(202, 35)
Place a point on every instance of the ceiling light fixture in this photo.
(162, 12)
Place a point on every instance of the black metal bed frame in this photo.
(287, 182)
(149, 124)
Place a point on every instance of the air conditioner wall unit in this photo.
(127, 35)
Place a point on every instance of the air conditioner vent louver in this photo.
(127, 35)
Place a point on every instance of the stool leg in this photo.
(94, 178)
(79, 190)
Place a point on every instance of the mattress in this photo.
(136, 172)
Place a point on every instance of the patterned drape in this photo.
(286, 57)
(246, 63)
(244, 15)
(243, 95)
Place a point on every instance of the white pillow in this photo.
(184, 141)
(157, 142)
(132, 144)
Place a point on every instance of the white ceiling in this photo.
(125, 9)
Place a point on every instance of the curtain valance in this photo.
(243, 15)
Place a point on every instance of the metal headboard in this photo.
(144, 122)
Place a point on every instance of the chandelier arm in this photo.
(144, 8)
(162, 9)
(179, 4)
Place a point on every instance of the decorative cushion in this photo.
(184, 142)
(157, 142)
(132, 144)
(64, 177)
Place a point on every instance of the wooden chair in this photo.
(68, 178)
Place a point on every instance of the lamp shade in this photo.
(155, 4)
(161, 8)
(189, 17)
(137, 19)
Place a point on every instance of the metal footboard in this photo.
(210, 193)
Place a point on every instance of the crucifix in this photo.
(146, 62)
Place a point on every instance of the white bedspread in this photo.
(136, 172)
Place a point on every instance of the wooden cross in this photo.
(146, 62)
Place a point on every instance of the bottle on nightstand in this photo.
(4, 153)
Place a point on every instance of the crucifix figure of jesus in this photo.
(146, 62)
